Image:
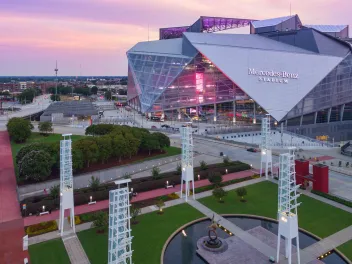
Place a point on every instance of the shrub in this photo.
(333, 198)
(41, 228)
(203, 165)
(156, 173)
(215, 178)
(45, 127)
(135, 211)
(173, 196)
(178, 168)
(88, 217)
(226, 160)
(100, 221)
(36, 166)
(241, 192)
(126, 175)
(53, 149)
(77, 220)
(219, 193)
(160, 204)
(340, 163)
(54, 97)
(55, 193)
(94, 183)
(19, 129)
(164, 141)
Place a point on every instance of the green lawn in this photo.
(52, 252)
(314, 216)
(346, 249)
(149, 236)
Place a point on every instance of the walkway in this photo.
(101, 205)
(11, 222)
(74, 249)
(329, 243)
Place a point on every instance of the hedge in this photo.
(333, 198)
(82, 196)
(223, 184)
(41, 228)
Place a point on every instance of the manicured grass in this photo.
(149, 235)
(346, 249)
(314, 216)
(52, 252)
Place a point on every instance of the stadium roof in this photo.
(270, 22)
(69, 108)
(328, 28)
(243, 40)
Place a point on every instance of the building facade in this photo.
(297, 74)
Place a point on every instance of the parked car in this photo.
(252, 150)
(165, 126)
(154, 127)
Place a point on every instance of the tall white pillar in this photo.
(266, 155)
(287, 206)
(66, 183)
(187, 161)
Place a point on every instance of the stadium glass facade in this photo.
(187, 79)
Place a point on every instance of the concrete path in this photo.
(329, 243)
(75, 250)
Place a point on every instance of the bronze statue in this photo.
(212, 229)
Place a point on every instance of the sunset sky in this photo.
(97, 33)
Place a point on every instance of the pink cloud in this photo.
(97, 33)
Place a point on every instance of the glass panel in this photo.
(308, 119)
(347, 113)
(335, 115)
(322, 116)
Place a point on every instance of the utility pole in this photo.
(56, 70)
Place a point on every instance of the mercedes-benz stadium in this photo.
(300, 75)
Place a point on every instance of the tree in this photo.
(94, 90)
(156, 173)
(164, 141)
(77, 159)
(135, 211)
(160, 204)
(51, 148)
(100, 221)
(150, 142)
(35, 166)
(241, 192)
(19, 129)
(132, 145)
(94, 183)
(215, 178)
(119, 146)
(104, 146)
(54, 97)
(108, 95)
(45, 127)
(203, 165)
(219, 193)
(89, 150)
(27, 96)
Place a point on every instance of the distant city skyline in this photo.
(97, 33)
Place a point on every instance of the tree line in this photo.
(36, 161)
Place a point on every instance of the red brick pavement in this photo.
(11, 222)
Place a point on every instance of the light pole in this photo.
(56, 70)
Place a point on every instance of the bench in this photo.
(94, 202)
(44, 213)
(169, 186)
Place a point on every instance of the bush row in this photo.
(36, 161)
(41, 228)
(333, 198)
(82, 196)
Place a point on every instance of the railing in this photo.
(322, 143)
(345, 151)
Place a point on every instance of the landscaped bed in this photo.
(149, 235)
(346, 249)
(52, 252)
(82, 196)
